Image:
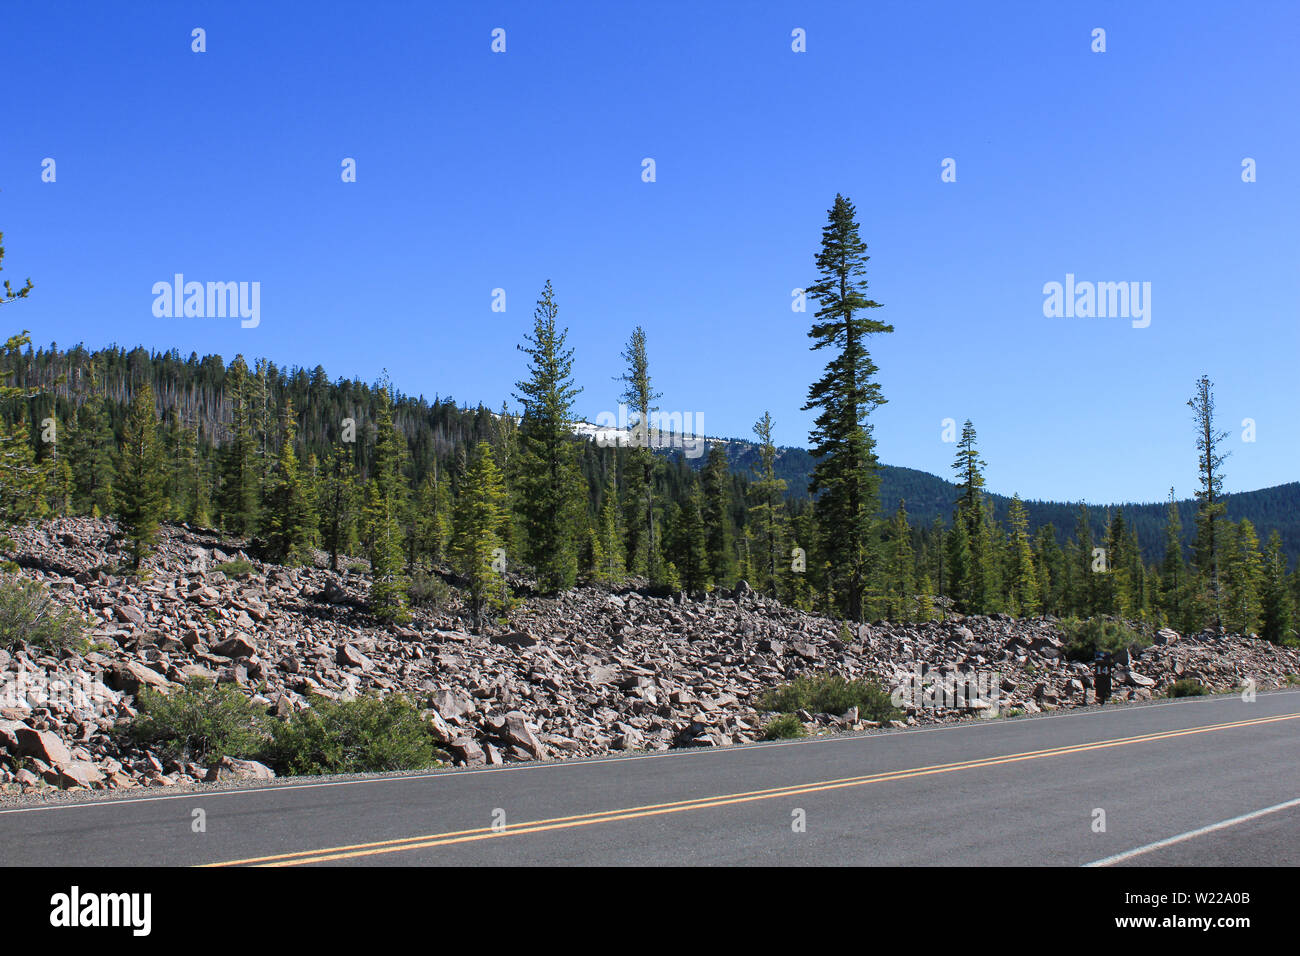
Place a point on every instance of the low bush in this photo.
(830, 694)
(428, 591)
(1083, 639)
(202, 722)
(1187, 687)
(239, 568)
(785, 727)
(28, 615)
(369, 734)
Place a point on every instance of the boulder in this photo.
(237, 646)
(229, 768)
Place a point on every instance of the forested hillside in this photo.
(295, 461)
(929, 497)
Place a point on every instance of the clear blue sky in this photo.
(479, 170)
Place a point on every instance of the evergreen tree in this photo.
(689, 548)
(640, 397)
(961, 569)
(1022, 576)
(767, 514)
(90, 456)
(240, 467)
(845, 479)
(433, 518)
(385, 502)
(900, 569)
(609, 563)
(1210, 473)
(22, 480)
(1173, 569)
(339, 504)
(1243, 577)
(1277, 617)
(9, 294)
(716, 478)
(290, 519)
(550, 495)
(481, 512)
(139, 489)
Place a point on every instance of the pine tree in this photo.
(961, 569)
(481, 511)
(845, 480)
(640, 397)
(1049, 560)
(433, 518)
(689, 547)
(1243, 577)
(90, 456)
(609, 535)
(139, 489)
(385, 502)
(900, 568)
(1277, 621)
(289, 517)
(767, 514)
(550, 495)
(972, 576)
(1210, 507)
(716, 479)
(1022, 577)
(240, 466)
(9, 294)
(22, 480)
(339, 503)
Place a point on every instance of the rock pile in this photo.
(587, 672)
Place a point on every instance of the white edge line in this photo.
(597, 760)
(1192, 834)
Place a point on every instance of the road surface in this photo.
(1200, 782)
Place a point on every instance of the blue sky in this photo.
(478, 171)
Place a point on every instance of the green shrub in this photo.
(1083, 639)
(830, 694)
(1187, 687)
(785, 727)
(202, 722)
(370, 734)
(239, 568)
(28, 615)
(428, 590)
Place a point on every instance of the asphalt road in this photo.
(1179, 775)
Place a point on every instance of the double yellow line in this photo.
(331, 854)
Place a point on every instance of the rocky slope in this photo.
(585, 673)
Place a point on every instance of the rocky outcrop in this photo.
(588, 672)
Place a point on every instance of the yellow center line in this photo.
(329, 854)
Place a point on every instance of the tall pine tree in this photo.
(845, 480)
(550, 495)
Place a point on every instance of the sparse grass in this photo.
(1291, 680)
(1187, 687)
(1016, 712)
(785, 727)
(830, 694)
